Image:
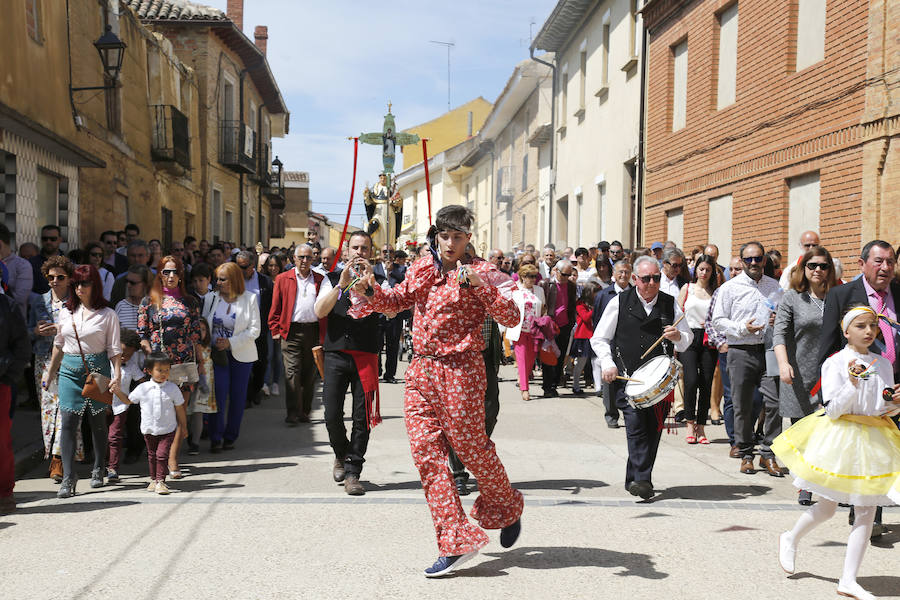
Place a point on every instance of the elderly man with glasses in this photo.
(744, 313)
(808, 240)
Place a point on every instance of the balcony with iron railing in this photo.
(237, 146)
(170, 135)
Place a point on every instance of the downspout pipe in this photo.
(553, 70)
(240, 235)
(261, 176)
(639, 167)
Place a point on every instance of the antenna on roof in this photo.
(448, 45)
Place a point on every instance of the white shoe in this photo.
(787, 552)
(162, 488)
(274, 389)
(853, 590)
(152, 486)
(265, 389)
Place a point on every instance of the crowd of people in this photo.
(196, 333)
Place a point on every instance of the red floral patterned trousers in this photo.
(444, 406)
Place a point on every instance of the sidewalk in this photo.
(28, 446)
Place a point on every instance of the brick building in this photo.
(768, 118)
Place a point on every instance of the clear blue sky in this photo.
(339, 63)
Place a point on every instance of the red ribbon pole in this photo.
(337, 255)
(427, 181)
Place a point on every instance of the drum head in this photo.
(649, 375)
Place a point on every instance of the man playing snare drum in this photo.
(631, 323)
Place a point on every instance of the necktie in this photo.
(886, 330)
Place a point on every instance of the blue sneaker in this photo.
(446, 564)
(510, 533)
(112, 476)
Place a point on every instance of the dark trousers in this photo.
(699, 368)
(299, 368)
(746, 371)
(340, 372)
(491, 411)
(552, 374)
(7, 458)
(158, 447)
(116, 438)
(642, 434)
(390, 330)
(69, 424)
(231, 397)
(258, 373)
(772, 423)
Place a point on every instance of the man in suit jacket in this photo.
(621, 282)
(294, 325)
(115, 262)
(876, 288)
(389, 330)
(261, 286)
(560, 294)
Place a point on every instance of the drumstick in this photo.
(661, 338)
(628, 379)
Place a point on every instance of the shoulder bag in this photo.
(96, 385)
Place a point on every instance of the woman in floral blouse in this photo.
(169, 320)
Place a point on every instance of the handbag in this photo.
(181, 373)
(96, 385)
(219, 357)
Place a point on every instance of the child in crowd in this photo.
(132, 374)
(848, 452)
(203, 398)
(162, 408)
(584, 328)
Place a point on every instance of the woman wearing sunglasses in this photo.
(94, 255)
(798, 325)
(42, 319)
(87, 334)
(169, 321)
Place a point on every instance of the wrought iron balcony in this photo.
(171, 135)
(237, 146)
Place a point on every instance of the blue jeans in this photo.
(273, 371)
(231, 396)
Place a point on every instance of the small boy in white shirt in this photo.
(162, 409)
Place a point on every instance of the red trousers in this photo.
(444, 406)
(7, 459)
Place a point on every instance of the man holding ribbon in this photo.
(445, 383)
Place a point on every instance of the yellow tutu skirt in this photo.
(854, 459)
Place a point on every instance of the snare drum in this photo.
(654, 381)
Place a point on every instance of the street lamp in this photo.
(276, 167)
(112, 52)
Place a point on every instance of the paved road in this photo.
(266, 521)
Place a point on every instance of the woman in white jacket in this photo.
(530, 300)
(233, 317)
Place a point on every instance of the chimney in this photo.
(235, 12)
(260, 35)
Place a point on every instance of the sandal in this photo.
(690, 439)
(702, 440)
(176, 474)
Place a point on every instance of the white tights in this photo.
(857, 541)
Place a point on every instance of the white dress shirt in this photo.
(605, 331)
(305, 303)
(741, 299)
(669, 286)
(158, 402)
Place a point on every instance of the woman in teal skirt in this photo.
(98, 330)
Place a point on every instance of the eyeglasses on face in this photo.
(97, 254)
(169, 272)
(677, 265)
(49, 238)
(808, 246)
(753, 259)
(222, 279)
(56, 277)
(302, 257)
(648, 278)
(244, 267)
(820, 266)
(82, 283)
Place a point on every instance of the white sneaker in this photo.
(152, 486)
(787, 552)
(265, 389)
(162, 488)
(853, 590)
(274, 389)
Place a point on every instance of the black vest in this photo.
(636, 330)
(346, 333)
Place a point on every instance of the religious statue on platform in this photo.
(383, 200)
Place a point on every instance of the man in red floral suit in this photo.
(445, 383)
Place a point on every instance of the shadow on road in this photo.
(72, 507)
(715, 493)
(5, 525)
(573, 486)
(563, 557)
(194, 471)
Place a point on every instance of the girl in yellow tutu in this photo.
(848, 452)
